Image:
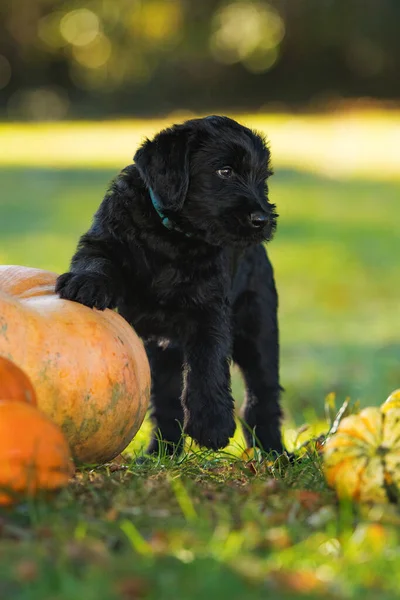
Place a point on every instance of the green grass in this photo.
(336, 262)
(212, 525)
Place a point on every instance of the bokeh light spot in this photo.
(156, 23)
(47, 103)
(160, 20)
(259, 62)
(80, 27)
(95, 54)
(48, 30)
(247, 32)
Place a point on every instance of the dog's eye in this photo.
(225, 172)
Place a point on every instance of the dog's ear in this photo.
(163, 164)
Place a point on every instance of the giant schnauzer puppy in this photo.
(177, 247)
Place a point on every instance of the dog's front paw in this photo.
(212, 430)
(89, 289)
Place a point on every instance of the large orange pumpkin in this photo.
(88, 367)
(34, 454)
(14, 383)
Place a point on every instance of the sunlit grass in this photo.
(353, 143)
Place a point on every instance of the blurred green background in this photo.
(81, 84)
(104, 58)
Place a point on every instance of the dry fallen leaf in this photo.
(92, 551)
(132, 588)
(308, 499)
(159, 542)
(302, 581)
(114, 467)
(278, 538)
(112, 514)
(26, 570)
(254, 461)
(251, 454)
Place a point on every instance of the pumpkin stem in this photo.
(382, 450)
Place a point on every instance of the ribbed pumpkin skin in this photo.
(34, 454)
(14, 383)
(393, 401)
(362, 459)
(88, 367)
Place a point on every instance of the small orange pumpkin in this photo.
(14, 383)
(34, 454)
(89, 368)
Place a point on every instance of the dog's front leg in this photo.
(95, 278)
(207, 399)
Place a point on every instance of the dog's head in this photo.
(208, 178)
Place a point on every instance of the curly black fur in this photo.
(192, 277)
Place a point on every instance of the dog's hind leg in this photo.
(256, 352)
(166, 390)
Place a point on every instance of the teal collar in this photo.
(164, 220)
(157, 205)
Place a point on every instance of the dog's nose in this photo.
(258, 219)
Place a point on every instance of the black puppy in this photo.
(176, 246)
